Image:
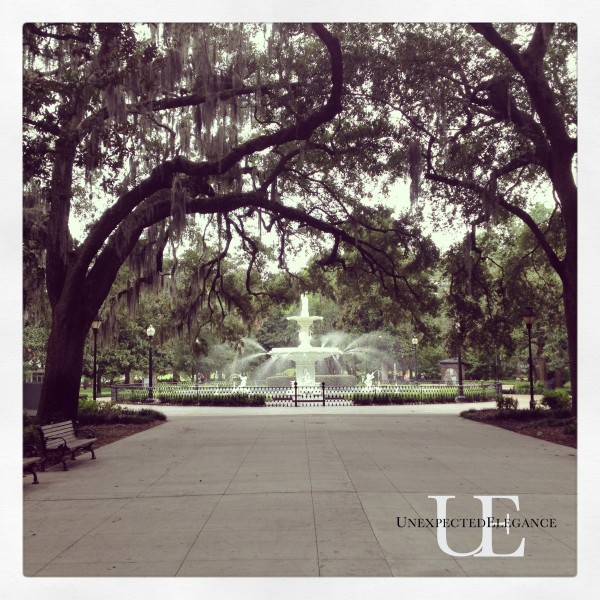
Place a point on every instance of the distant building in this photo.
(36, 376)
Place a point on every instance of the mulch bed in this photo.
(562, 434)
(107, 434)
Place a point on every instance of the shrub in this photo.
(133, 395)
(505, 403)
(521, 387)
(556, 399)
(30, 432)
(94, 413)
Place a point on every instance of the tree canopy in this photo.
(273, 139)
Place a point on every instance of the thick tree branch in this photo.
(42, 126)
(32, 28)
(529, 65)
(553, 258)
(161, 177)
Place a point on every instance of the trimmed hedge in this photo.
(178, 397)
(193, 399)
(439, 396)
(133, 395)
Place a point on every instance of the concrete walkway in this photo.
(302, 492)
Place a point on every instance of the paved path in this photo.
(300, 492)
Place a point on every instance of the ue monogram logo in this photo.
(485, 549)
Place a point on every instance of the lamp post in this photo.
(461, 392)
(528, 319)
(415, 342)
(150, 333)
(95, 326)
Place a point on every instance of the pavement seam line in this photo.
(220, 498)
(356, 491)
(312, 500)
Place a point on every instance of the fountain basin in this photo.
(305, 357)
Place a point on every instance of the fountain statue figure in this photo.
(305, 355)
(369, 379)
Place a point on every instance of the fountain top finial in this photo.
(304, 305)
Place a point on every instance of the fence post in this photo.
(295, 393)
(323, 388)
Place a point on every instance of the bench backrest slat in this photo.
(64, 430)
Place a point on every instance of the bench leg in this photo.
(32, 471)
(83, 450)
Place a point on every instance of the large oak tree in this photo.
(235, 122)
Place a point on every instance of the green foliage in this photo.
(133, 395)
(91, 413)
(522, 387)
(440, 395)
(556, 399)
(228, 399)
(34, 346)
(30, 433)
(507, 403)
(191, 398)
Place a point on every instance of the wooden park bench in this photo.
(60, 439)
(30, 461)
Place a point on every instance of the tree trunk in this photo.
(60, 390)
(570, 303)
(542, 369)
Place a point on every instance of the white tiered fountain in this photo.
(305, 355)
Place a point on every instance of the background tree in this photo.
(487, 286)
(488, 120)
